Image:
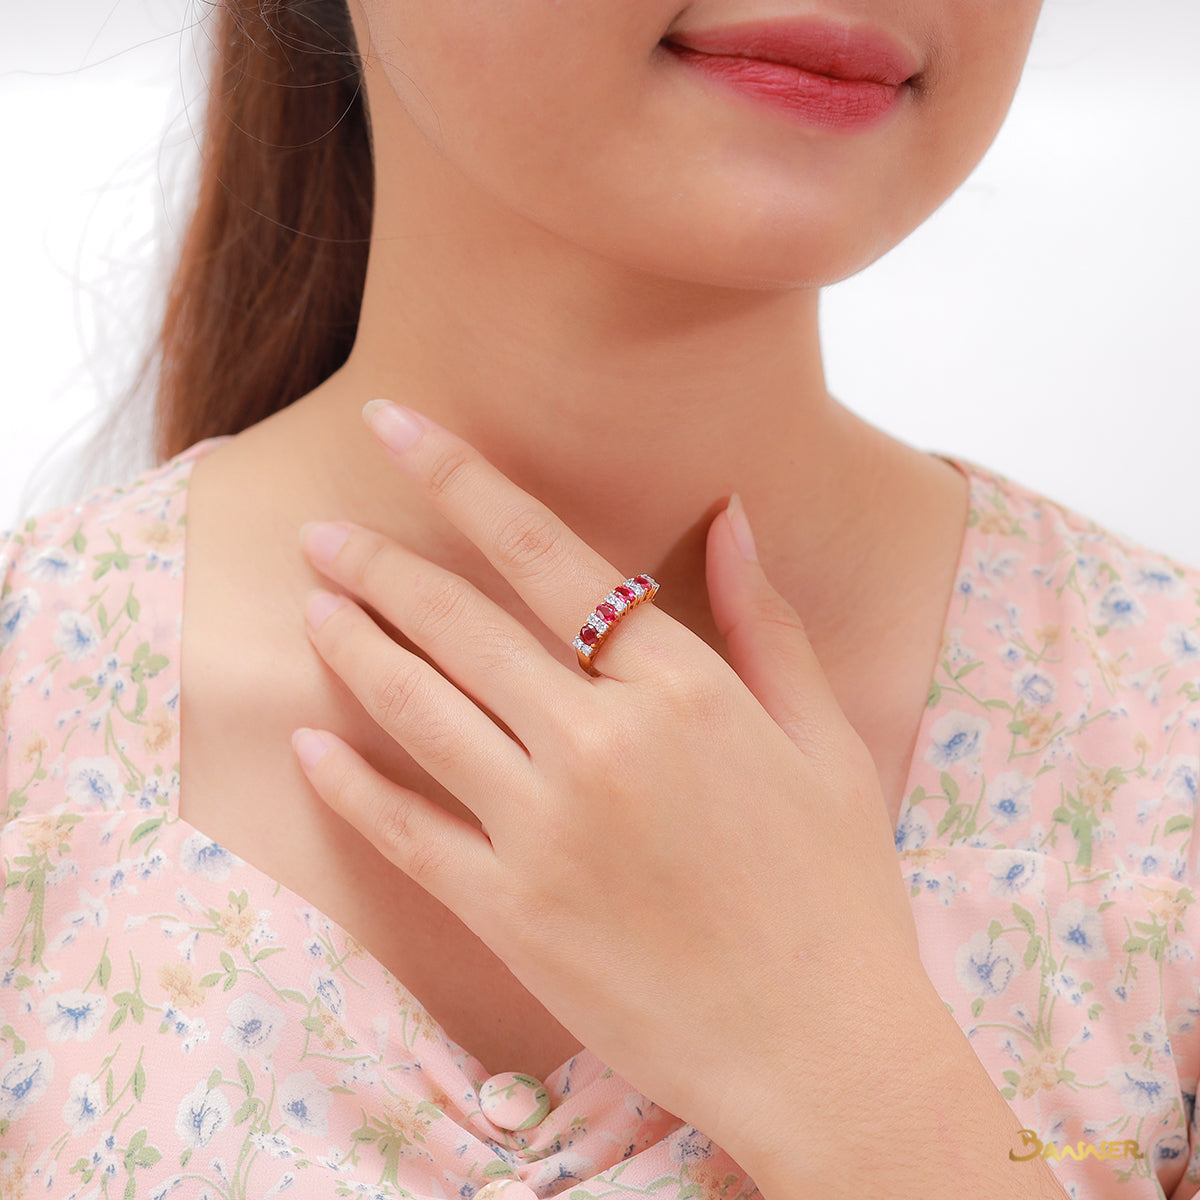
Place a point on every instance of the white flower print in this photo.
(23, 1082)
(985, 967)
(1156, 579)
(1079, 930)
(1148, 860)
(84, 1104)
(304, 1102)
(913, 829)
(1144, 1093)
(76, 635)
(1183, 782)
(1008, 796)
(1153, 1035)
(1034, 686)
(329, 991)
(254, 1026)
(17, 611)
(203, 856)
(53, 564)
(1014, 872)
(1119, 608)
(956, 737)
(201, 1114)
(93, 782)
(72, 1014)
(1180, 644)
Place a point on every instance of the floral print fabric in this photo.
(175, 1023)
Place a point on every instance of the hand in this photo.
(688, 863)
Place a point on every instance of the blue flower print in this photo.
(1119, 608)
(72, 1014)
(23, 1081)
(304, 1102)
(1181, 645)
(956, 737)
(1183, 783)
(1079, 930)
(1008, 797)
(53, 564)
(1144, 1093)
(1034, 687)
(93, 783)
(985, 967)
(254, 1026)
(202, 856)
(84, 1104)
(329, 991)
(913, 829)
(76, 635)
(201, 1114)
(16, 612)
(1014, 872)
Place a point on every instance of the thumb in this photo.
(768, 646)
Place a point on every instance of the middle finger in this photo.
(558, 575)
(487, 653)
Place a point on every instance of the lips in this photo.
(820, 48)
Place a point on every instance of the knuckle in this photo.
(392, 826)
(448, 471)
(531, 538)
(687, 695)
(395, 693)
(422, 862)
(367, 569)
(442, 608)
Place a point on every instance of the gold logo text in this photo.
(1039, 1149)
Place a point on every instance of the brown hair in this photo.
(263, 301)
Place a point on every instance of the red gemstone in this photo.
(643, 581)
(588, 635)
(626, 594)
(607, 611)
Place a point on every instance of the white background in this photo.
(1043, 322)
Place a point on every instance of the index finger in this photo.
(552, 569)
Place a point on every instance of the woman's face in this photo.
(573, 115)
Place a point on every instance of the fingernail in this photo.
(309, 746)
(396, 427)
(319, 607)
(741, 528)
(323, 539)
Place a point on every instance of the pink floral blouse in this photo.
(175, 1023)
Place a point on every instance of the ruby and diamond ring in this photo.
(607, 613)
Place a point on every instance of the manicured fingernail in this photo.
(323, 539)
(320, 605)
(396, 427)
(309, 746)
(741, 528)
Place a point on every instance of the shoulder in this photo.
(1114, 589)
(90, 599)
(1084, 646)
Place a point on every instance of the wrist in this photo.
(904, 1108)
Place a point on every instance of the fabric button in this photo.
(514, 1101)
(505, 1189)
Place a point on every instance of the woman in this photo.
(857, 862)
